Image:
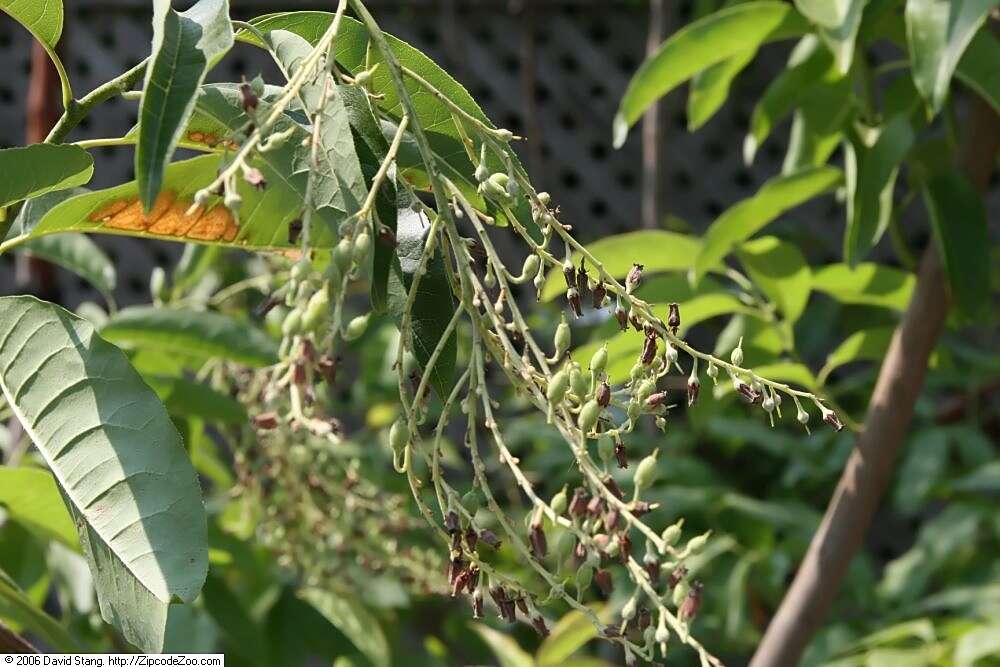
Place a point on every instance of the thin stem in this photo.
(78, 110)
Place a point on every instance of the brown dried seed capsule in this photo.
(673, 318)
(569, 272)
(255, 178)
(675, 577)
(471, 538)
(540, 626)
(386, 236)
(831, 418)
(747, 392)
(603, 394)
(648, 351)
(599, 294)
(477, 605)
(595, 506)
(573, 297)
(620, 454)
(624, 546)
(327, 367)
(613, 487)
(603, 580)
(460, 582)
(693, 387)
(578, 504)
(248, 98)
(265, 421)
(451, 522)
(611, 631)
(299, 372)
(634, 277)
(636, 322)
(539, 546)
(657, 399)
(645, 618)
(652, 566)
(490, 538)
(522, 604)
(582, 279)
(294, 231)
(611, 518)
(622, 317)
(640, 507)
(692, 603)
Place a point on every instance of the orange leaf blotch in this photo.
(216, 224)
(105, 213)
(176, 222)
(129, 219)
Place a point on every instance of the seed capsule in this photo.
(645, 473)
(559, 502)
(578, 504)
(648, 350)
(265, 421)
(599, 294)
(737, 354)
(605, 448)
(603, 394)
(633, 278)
(530, 266)
(628, 611)
(539, 545)
(573, 298)
(680, 593)
(343, 253)
(622, 317)
(693, 387)
(362, 245)
(557, 387)
(316, 310)
(489, 537)
(589, 415)
(584, 576)
(670, 354)
(578, 381)
(696, 544)
(713, 371)
(356, 327)
(620, 455)
(399, 437)
(692, 603)
(562, 339)
(569, 272)
(802, 415)
(831, 418)
(603, 580)
(672, 533)
(674, 318)
(656, 400)
(292, 323)
(599, 361)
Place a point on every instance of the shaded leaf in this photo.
(818, 124)
(198, 333)
(117, 457)
(30, 497)
(506, 650)
(354, 621)
(870, 176)
(780, 271)
(710, 87)
(186, 398)
(15, 606)
(744, 219)
(76, 253)
(867, 283)
(185, 45)
(978, 70)
(30, 171)
(937, 34)
(923, 465)
(840, 37)
(959, 221)
(656, 249)
(568, 635)
(699, 45)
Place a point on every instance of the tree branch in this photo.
(869, 467)
(11, 642)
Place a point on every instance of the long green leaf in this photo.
(353, 55)
(656, 249)
(76, 253)
(938, 32)
(710, 88)
(116, 455)
(44, 20)
(506, 650)
(867, 283)
(841, 37)
(354, 621)
(699, 45)
(17, 607)
(185, 45)
(194, 333)
(780, 271)
(870, 176)
(828, 13)
(959, 220)
(568, 636)
(32, 498)
(978, 69)
(744, 219)
(30, 171)
(433, 306)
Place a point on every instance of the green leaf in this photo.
(354, 621)
(840, 38)
(867, 344)
(923, 465)
(657, 250)
(568, 636)
(937, 33)
(807, 64)
(976, 644)
(724, 34)
(818, 125)
(186, 398)
(433, 306)
(76, 253)
(44, 20)
(354, 56)
(710, 88)
(337, 179)
(827, 13)
(868, 283)
(262, 224)
(30, 171)
(202, 334)
(117, 457)
(15, 606)
(746, 218)
(506, 650)
(986, 478)
(870, 175)
(780, 271)
(959, 219)
(978, 70)
(30, 496)
(242, 631)
(185, 46)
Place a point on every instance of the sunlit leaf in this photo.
(354, 621)
(710, 87)
(30, 497)
(17, 607)
(30, 171)
(780, 271)
(867, 283)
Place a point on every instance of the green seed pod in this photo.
(584, 576)
(298, 454)
(579, 381)
(628, 611)
(343, 254)
(362, 245)
(356, 327)
(680, 592)
(737, 356)
(531, 264)
(482, 173)
(293, 323)
(696, 544)
(713, 371)
(496, 185)
(274, 319)
(633, 410)
(645, 390)
(559, 502)
(299, 270)
(472, 501)
(638, 370)
(158, 283)
(600, 360)
(605, 448)
(562, 338)
(565, 545)
(399, 435)
(544, 198)
(645, 472)
(672, 533)
(662, 635)
(589, 415)
(557, 387)
(316, 310)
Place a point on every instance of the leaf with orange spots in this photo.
(261, 224)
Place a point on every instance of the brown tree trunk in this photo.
(869, 467)
(11, 642)
(652, 129)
